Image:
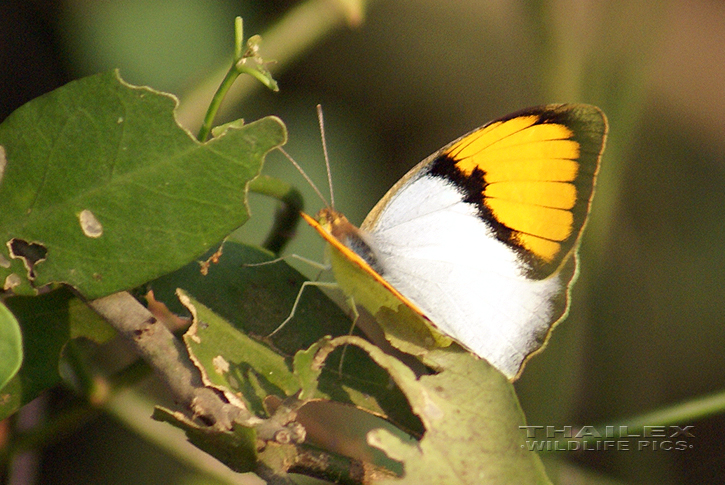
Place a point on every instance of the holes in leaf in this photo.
(30, 252)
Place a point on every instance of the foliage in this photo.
(651, 269)
(104, 191)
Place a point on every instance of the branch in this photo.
(169, 359)
(171, 362)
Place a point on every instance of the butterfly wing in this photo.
(482, 235)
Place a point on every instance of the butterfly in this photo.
(477, 244)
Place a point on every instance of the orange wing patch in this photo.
(532, 173)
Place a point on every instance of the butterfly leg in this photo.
(350, 300)
(319, 284)
(314, 264)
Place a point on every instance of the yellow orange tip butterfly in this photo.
(477, 243)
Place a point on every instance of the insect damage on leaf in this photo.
(90, 225)
(31, 253)
(221, 366)
(12, 281)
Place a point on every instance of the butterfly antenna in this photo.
(307, 177)
(321, 121)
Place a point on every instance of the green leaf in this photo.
(245, 369)
(343, 429)
(307, 369)
(472, 418)
(104, 191)
(11, 345)
(255, 298)
(47, 323)
(232, 362)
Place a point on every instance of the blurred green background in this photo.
(397, 81)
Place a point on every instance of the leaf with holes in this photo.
(472, 422)
(100, 188)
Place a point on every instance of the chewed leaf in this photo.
(471, 418)
(308, 369)
(99, 175)
(242, 368)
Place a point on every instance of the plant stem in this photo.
(287, 216)
(676, 415)
(245, 62)
(216, 101)
(298, 31)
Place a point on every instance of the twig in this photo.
(169, 359)
(171, 362)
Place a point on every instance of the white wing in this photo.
(434, 249)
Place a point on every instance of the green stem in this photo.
(245, 62)
(681, 414)
(288, 215)
(238, 38)
(302, 28)
(678, 414)
(216, 101)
